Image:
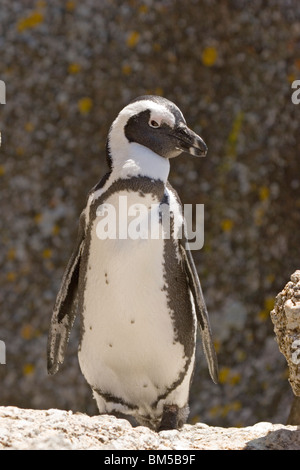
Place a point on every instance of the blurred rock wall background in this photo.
(69, 67)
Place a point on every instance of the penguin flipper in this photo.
(65, 307)
(201, 312)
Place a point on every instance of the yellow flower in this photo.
(291, 77)
(236, 405)
(223, 375)
(70, 5)
(235, 379)
(143, 9)
(217, 345)
(227, 225)
(132, 39)
(159, 91)
(269, 303)
(215, 410)
(225, 410)
(27, 332)
(11, 276)
(241, 355)
(29, 127)
(270, 278)
(55, 229)
(31, 21)
(47, 253)
(126, 69)
(259, 214)
(74, 68)
(264, 193)
(264, 314)
(28, 369)
(11, 254)
(37, 218)
(229, 377)
(209, 56)
(85, 105)
(20, 151)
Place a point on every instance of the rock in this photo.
(27, 429)
(286, 319)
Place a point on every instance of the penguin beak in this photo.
(190, 142)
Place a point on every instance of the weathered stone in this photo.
(286, 319)
(26, 429)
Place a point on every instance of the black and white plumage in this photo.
(139, 300)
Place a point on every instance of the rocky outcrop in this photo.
(286, 319)
(57, 429)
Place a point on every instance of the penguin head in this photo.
(155, 123)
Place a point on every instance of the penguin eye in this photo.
(153, 123)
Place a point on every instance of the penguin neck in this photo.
(136, 160)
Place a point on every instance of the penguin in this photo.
(139, 298)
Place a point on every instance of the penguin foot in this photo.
(169, 418)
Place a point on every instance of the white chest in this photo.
(128, 346)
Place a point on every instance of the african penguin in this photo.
(139, 298)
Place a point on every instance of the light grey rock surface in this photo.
(27, 429)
